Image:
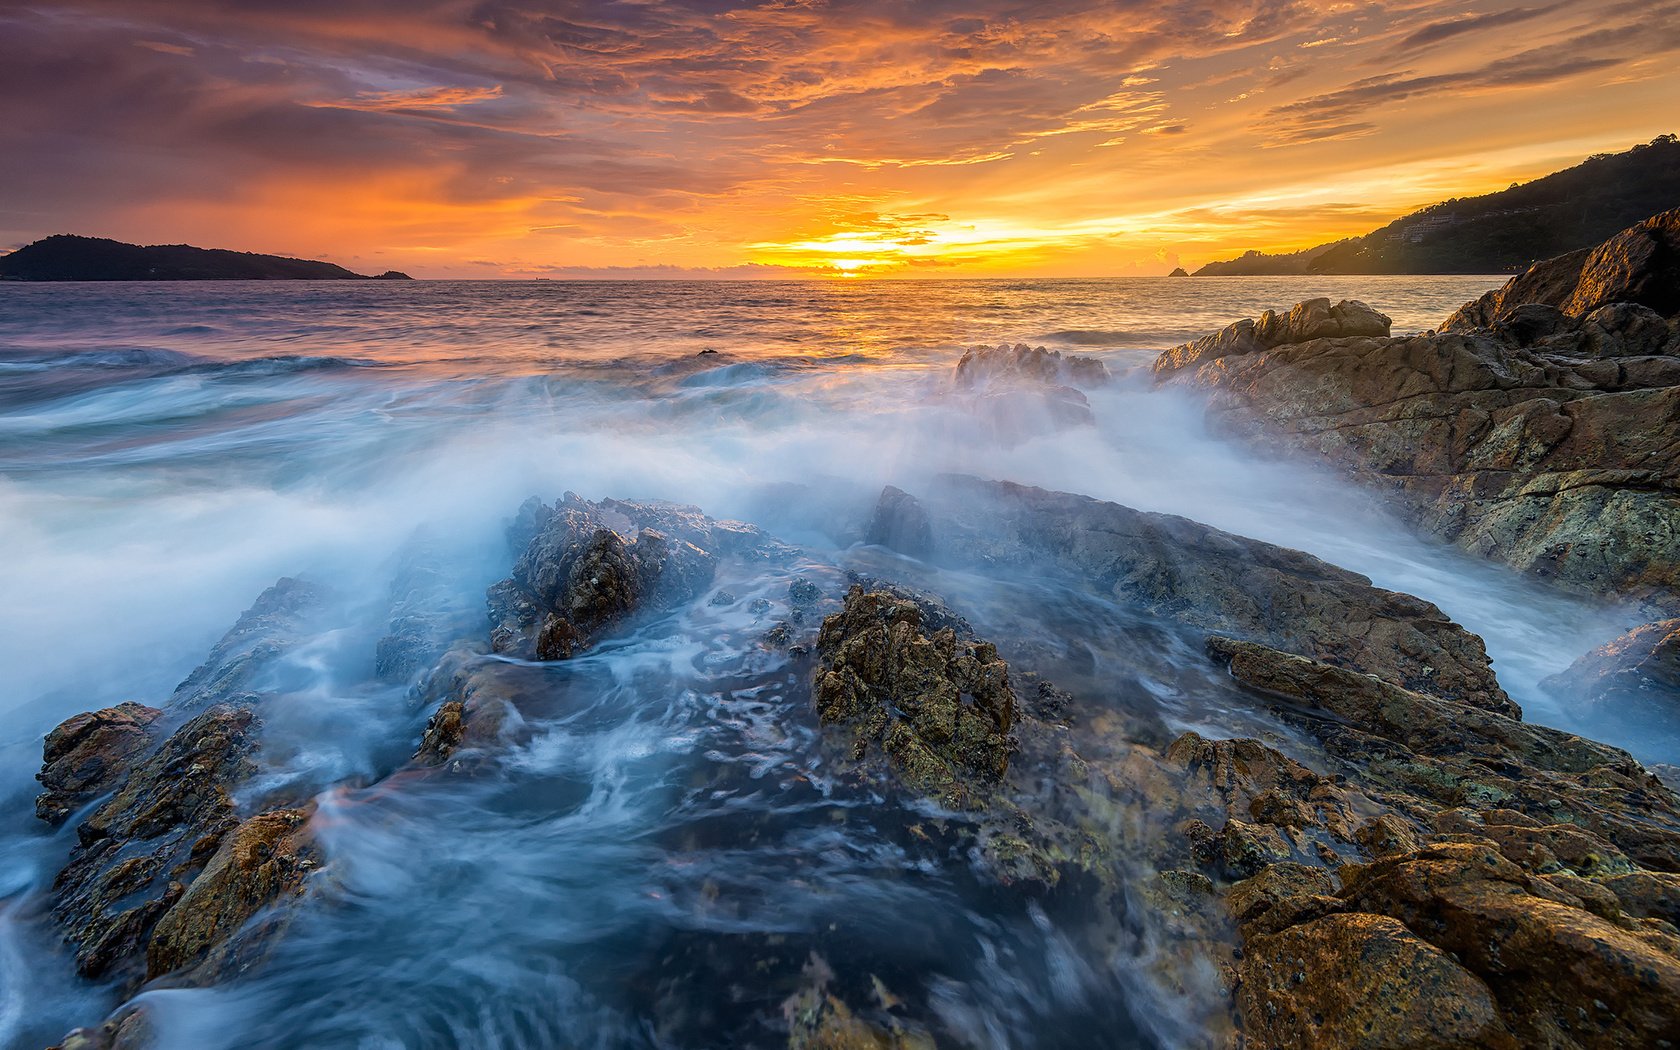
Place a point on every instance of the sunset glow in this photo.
(797, 137)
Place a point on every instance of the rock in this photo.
(272, 627)
(587, 567)
(900, 523)
(1179, 271)
(260, 863)
(428, 611)
(1427, 755)
(1363, 982)
(1519, 935)
(1313, 319)
(1640, 265)
(138, 849)
(1540, 426)
(939, 709)
(88, 754)
(1185, 571)
(1632, 682)
(1021, 391)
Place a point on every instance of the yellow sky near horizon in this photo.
(796, 137)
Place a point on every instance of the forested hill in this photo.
(1499, 232)
(63, 257)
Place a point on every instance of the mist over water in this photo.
(168, 451)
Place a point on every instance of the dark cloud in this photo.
(1439, 32)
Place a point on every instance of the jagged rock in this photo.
(981, 366)
(589, 566)
(1639, 265)
(87, 754)
(1182, 570)
(1541, 427)
(1519, 934)
(1430, 755)
(1632, 682)
(939, 709)
(271, 627)
(260, 863)
(1313, 319)
(427, 612)
(1363, 982)
(1021, 391)
(139, 849)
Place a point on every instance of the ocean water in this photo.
(169, 450)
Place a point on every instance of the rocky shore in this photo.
(1372, 849)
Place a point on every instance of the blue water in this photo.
(168, 450)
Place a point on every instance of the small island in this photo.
(64, 257)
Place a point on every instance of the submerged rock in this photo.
(1021, 391)
(1182, 570)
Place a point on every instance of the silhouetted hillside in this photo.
(67, 258)
(1502, 231)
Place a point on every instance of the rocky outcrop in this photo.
(1020, 391)
(1631, 682)
(1313, 319)
(133, 898)
(1189, 572)
(1548, 438)
(1640, 266)
(1507, 855)
(586, 567)
(269, 629)
(87, 754)
(940, 709)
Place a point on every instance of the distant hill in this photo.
(1499, 232)
(67, 258)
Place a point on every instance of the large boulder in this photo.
(1546, 435)
(1312, 319)
(1184, 571)
(1640, 265)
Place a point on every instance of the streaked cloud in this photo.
(803, 136)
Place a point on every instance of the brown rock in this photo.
(258, 866)
(1362, 982)
(87, 754)
(938, 708)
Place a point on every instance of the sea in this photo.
(168, 450)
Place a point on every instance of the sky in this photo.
(726, 138)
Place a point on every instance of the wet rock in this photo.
(588, 567)
(269, 629)
(1632, 682)
(444, 732)
(261, 863)
(1185, 571)
(981, 366)
(1342, 982)
(88, 754)
(938, 709)
(139, 849)
(899, 522)
(1518, 934)
(1426, 756)
(1022, 391)
(428, 611)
